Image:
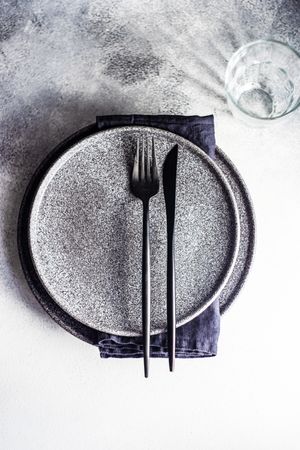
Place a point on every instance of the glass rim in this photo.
(233, 60)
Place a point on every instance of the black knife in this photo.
(169, 183)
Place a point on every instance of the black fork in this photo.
(144, 185)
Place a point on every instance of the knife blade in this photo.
(169, 184)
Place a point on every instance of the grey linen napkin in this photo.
(199, 337)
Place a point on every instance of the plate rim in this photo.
(249, 207)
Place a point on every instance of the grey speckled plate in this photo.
(85, 232)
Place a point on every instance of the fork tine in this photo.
(148, 163)
(143, 160)
(135, 172)
(154, 166)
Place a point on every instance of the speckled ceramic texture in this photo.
(85, 232)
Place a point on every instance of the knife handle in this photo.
(146, 289)
(171, 295)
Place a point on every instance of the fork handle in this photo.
(146, 289)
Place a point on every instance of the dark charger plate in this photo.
(229, 292)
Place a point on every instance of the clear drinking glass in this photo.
(262, 82)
